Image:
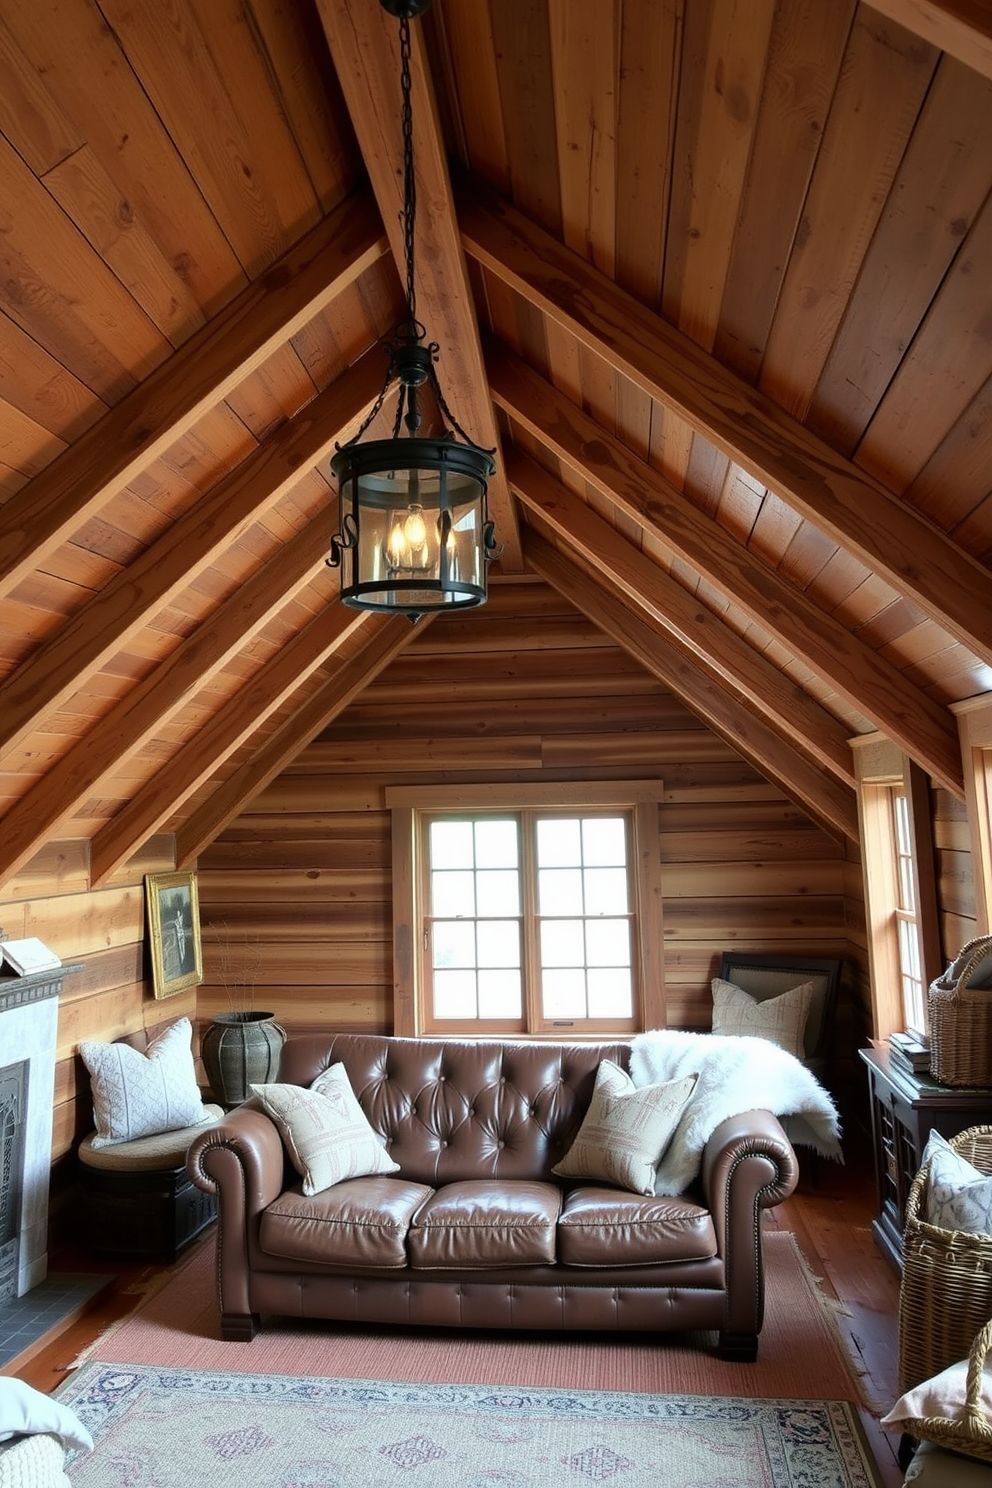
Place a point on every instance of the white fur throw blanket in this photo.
(735, 1075)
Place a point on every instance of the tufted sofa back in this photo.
(452, 1110)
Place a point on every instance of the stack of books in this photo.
(907, 1052)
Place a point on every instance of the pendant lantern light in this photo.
(414, 533)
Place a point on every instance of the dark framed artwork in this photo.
(173, 932)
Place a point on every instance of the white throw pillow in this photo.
(626, 1129)
(138, 1095)
(942, 1398)
(958, 1195)
(25, 1411)
(325, 1131)
(781, 1020)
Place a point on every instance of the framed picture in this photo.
(173, 932)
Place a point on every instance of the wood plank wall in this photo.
(955, 872)
(526, 689)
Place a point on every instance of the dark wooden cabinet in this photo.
(904, 1109)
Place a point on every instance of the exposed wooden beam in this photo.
(120, 733)
(229, 799)
(869, 682)
(64, 664)
(793, 770)
(364, 43)
(232, 724)
(46, 511)
(858, 512)
(963, 28)
(649, 592)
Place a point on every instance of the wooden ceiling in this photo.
(715, 276)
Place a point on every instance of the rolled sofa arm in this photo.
(749, 1164)
(241, 1161)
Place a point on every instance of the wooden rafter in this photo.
(962, 28)
(855, 510)
(122, 731)
(793, 770)
(64, 664)
(651, 593)
(229, 727)
(347, 682)
(364, 43)
(201, 373)
(869, 682)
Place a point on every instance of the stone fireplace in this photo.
(29, 1007)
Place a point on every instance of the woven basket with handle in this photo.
(946, 1293)
(960, 1005)
(971, 1432)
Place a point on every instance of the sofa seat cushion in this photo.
(358, 1222)
(480, 1225)
(607, 1227)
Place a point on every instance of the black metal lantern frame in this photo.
(414, 532)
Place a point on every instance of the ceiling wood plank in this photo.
(322, 708)
(61, 667)
(167, 404)
(863, 676)
(761, 744)
(961, 27)
(625, 571)
(121, 732)
(913, 555)
(364, 43)
(229, 727)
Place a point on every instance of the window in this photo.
(914, 1008)
(528, 922)
(536, 913)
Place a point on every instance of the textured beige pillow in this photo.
(325, 1130)
(781, 1020)
(138, 1095)
(626, 1129)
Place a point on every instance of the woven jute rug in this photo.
(800, 1354)
(157, 1427)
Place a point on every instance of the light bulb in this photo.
(415, 528)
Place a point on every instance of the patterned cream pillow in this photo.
(325, 1130)
(781, 1020)
(626, 1129)
(138, 1095)
(959, 1195)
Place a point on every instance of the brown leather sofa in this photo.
(475, 1230)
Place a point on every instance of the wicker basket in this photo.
(971, 1433)
(960, 1004)
(946, 1292)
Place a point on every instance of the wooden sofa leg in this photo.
(238, 1327)
(739, 1348)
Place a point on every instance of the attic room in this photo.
(713, 283)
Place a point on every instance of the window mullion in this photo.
(533, 1016)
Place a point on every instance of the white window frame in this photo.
(640, 799)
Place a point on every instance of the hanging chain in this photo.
(409, 178)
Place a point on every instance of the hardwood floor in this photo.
(830, 1214)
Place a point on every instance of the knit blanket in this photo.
(735, 1075)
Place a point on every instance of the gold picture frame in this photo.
(173, 932)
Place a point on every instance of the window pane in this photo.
(607, 943)
(604, 840)
(499, 892)
(453, 894)
(562, 943)
(559, 844)
(454, 994)
(610, 994)
(500, 994)
(454, 943)
(451, 844)
(564, 994)
(499, 942)
(559, 891)
(606, 891)
(496, 844)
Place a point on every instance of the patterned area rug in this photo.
(170, 1428)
